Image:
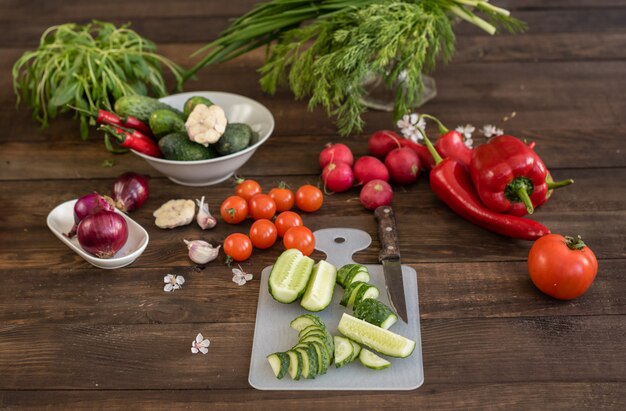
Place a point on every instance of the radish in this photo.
(338, 177)
(376, 193)
(403, 165)
(382, 142)
(368, 168)
(336, 153)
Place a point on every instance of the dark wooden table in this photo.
(74, 336)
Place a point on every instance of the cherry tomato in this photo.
(562, 267)
(263, 234)
(286, 220)
(262, 206)
(301, 238)
(283, 197)
(234, 209)
(238, 246)
(309, 198)
(247, 189)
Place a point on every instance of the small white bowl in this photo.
(61, 219)
(238, 109)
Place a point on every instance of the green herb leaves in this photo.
(87, 67)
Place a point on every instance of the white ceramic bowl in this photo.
(238, 109)
(61, 219)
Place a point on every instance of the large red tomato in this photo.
(562, 267)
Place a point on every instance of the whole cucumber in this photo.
(236, 137)
(164, 122)
(141, 107)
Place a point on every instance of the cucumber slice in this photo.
(375, 312)
(319, 292)
(373, 361)
(357, 349)
(364, 292)
(344, 271)
(344, 351)
(323, 360)
(305, 320)
(362, 275)
(279, 361)
(350, 273)
(349, 295)
(376, 338)
(289, 276)
(309, 369)
(295, 364)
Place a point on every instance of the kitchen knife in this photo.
(389, 256)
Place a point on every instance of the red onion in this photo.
(130, 191)
(103, 234)
(87, 205)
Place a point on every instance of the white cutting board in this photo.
(272, 332)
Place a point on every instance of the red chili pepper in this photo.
(451, 145)
(133, 139)
(509, 176)
(106, 117)
(450, 181)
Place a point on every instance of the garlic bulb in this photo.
(201, 252)
(204, 218)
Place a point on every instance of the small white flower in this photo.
(490, 130)
(200, 344)
(404, 122)
(469, 142)
(466, 130)
(409, 125)
(173, 282)
(240, 277)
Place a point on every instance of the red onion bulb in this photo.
(103, 234)
(89, 204)
(130, 191)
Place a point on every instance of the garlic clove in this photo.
(204, 218)
(201, 252)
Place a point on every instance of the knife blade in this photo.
(389, 256)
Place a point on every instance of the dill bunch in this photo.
(324, 49)
(88, 67)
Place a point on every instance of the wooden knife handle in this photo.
(387, 233)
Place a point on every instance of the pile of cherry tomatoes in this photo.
(249, 200)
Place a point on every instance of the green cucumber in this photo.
(295, 364)
(192, 102)
(357, 349)
(309, 369)
(280, 363)
(177, 146)
(350, 293)
(319, 291)
(368, 291)
(140, 107)
(164, 122)
(289, 276)
(376, 338)
(375, 312)
(373, 361)
(348, 270)
(301, 322)
(344, 351)
(236, 137)
(323, 360)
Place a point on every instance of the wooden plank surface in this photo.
(76, 337)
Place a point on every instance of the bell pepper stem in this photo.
(523, 195)
(431, 149)
(558, 184)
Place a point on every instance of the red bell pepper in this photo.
(450, 181)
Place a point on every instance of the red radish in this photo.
(426, 160)
(338, 177)
(368, 168)
(376, 193)
(336, 153)
(403, 165)
(382, 142)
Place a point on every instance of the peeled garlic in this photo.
(206, 124)
(201, 252)
(174, 213)
(204, 218)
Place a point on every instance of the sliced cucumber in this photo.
(323, 360)
(319, 291)
(349, 295)
(305, 320)
(376, 338)
(344, 351)
(295, 364)
(280, 363)
(352, 272)
(375, 312)
(365, 292)
(308, 368)
(357, 349)
(373, 361)
(289, 276)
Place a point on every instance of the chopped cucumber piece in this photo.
(376, 338)
(349, 295)
(373, 361)
(323, 360)
(289, 276)
(295, 364)
(309, 369)
(365, 292)
(375, 312)
(305, 320)
(319, 292)
(344, 351)
(280, 363)
(352, 272)
(357, 349)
